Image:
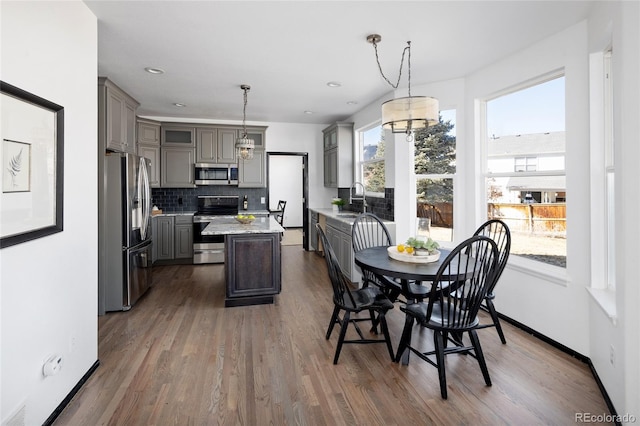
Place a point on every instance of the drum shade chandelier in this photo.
(404, 115)
(244, 145)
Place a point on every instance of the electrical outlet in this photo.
(612, 355)
(262, 200)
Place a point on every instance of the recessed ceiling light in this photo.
(352, 103)
(151, 70)
(179, 105)
(334, 84)
(308, 112)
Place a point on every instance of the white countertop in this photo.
(222, 225)
(343, 216)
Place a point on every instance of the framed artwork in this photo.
(31, 157)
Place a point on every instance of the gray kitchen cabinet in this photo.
(178, 135)
(313, 232)
(341, 243)
(172, 237)
(258, 136)
(149, 147)
(163, 243)
(116, 117)
(338, 155)
(148, 132)
(339, 235)
(183, 237)
(252, 173)
(153, 154)
(331, 168)
(216, 145)
(176, 167)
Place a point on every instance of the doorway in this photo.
(288, 179)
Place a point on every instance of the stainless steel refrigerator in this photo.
(127, 235)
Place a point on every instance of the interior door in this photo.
(286, 183)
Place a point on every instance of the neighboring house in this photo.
(539, 152)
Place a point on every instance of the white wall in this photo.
(290, 137)
(555, 302)
(48, 294)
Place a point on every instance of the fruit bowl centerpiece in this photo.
(245, 219)
(416, 251)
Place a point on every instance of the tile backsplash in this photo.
(381, 207)
(185, 199)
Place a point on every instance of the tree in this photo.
(435, 153)
(373, 173)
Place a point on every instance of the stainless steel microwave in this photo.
(216, 174)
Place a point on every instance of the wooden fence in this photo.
(536, 219)
(441, 214)
(544, 219)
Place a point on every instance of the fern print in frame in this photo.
(32, 161)
(16, 167)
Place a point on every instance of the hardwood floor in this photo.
(179, 357)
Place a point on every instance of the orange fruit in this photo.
(400, 248)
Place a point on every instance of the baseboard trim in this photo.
(71, 394)
(571, 352)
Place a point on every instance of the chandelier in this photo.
(404, 115)
(244, 145)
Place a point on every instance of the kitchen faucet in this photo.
(363, 198)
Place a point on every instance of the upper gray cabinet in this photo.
(252, 173)
(178, 135)
(148, 132)
(149, 147)
(216, 145)
(116, 117)
(338, 155)
(176, 168)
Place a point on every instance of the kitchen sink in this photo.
(347, 215)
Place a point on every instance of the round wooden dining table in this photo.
(377, 260)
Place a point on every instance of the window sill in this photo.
(606, 299)
(551, 273)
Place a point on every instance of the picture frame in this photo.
(32, 161)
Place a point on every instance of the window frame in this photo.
(550, 272)
(361, 163)
(434, 176)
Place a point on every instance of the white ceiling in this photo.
(288, 50)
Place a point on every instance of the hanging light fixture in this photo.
(244, 145)
(404, 115)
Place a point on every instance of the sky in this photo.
(538, 109)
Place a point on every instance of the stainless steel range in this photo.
(210, 248)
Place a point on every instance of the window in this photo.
(526, 164)
(371, 160)
(525, 168)
(610, 172)
(435, 168)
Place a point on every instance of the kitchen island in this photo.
(252, 261)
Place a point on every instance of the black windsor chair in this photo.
(499, 232)
(458, 290)
(279, 212)
(353, 301)
(369, 231)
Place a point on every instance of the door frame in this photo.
(305, 189)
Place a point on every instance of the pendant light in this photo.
(404, 115)
(244, 145)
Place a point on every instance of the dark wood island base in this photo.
(252, 268)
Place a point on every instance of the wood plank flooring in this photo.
(180, 358)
